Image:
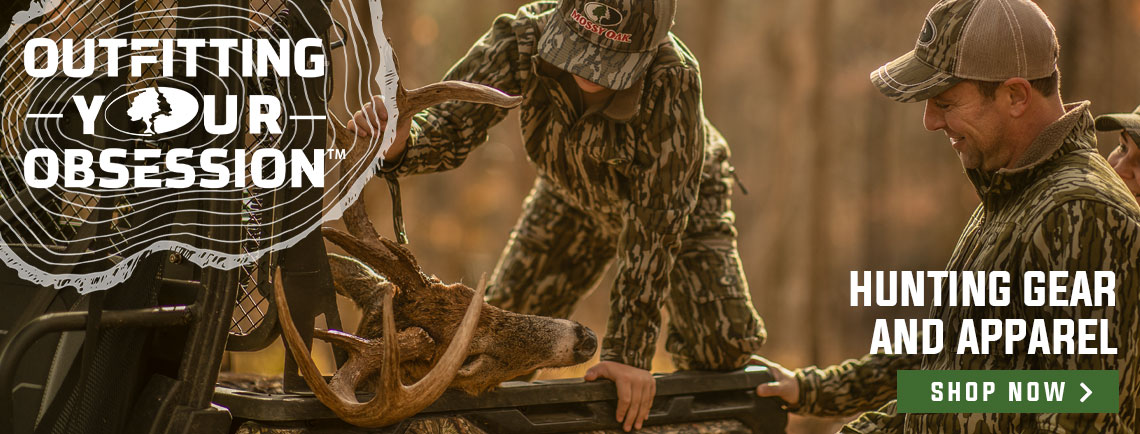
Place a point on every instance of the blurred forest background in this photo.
(840, 178)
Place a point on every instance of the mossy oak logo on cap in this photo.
(595, 19)
(603, 14)
(929, 32)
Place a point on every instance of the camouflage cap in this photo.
(986, 40)
(609, 42)
(1129, 122)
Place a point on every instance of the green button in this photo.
(1008, 392)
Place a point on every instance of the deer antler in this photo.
(386, 257)
(393, 401)
(408, 103)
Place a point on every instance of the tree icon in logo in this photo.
(603, 14)
(161, 109)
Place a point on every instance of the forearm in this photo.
(434, 145)
(638, 296)
(853, 386)
(884, 420)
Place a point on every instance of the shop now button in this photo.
(1008, 392)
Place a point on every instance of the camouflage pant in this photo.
(556, 255)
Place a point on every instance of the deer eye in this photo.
(470, 359)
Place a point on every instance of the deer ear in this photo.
(357, 281)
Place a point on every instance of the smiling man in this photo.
(987, 70)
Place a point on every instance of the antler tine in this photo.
(416, 100)
(336, 399)
(390, 386)
(348, 341)
(401, 252)
(394, 401)
(415, 343)
(358, 223)
(394, 263)
(431, 386)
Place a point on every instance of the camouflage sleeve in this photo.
(885, 420)
(853, 386)
(442, 136)
(1092, 236)
(661, 197)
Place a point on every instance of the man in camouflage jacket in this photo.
(628, 168)
(1049, 202)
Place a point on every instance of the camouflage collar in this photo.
(622, 106)
(625, 103)
(1073, 131)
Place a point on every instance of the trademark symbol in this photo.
(336, 154)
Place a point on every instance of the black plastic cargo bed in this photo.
(685, 402)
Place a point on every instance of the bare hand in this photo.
(635, 387)
(373, 118)
(783, 385)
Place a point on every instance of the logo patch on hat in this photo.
(603, 14)
(595, 27)
(928, 33)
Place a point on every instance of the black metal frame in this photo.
(22, 340)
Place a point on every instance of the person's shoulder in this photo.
(521, 30)
(1087, 175)
(530, 14)
(1083, 185)
(536, 9)
(674, 58)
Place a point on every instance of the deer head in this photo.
(504, 345)
(415, 328)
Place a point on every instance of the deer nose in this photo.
(587, 344)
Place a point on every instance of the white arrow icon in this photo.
(1087, 392)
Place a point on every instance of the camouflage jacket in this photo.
(633, 165)
(1062, 208)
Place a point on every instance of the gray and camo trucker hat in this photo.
(609, 42)
(985, 40)
(1129, 122)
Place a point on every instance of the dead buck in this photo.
(416, 329)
